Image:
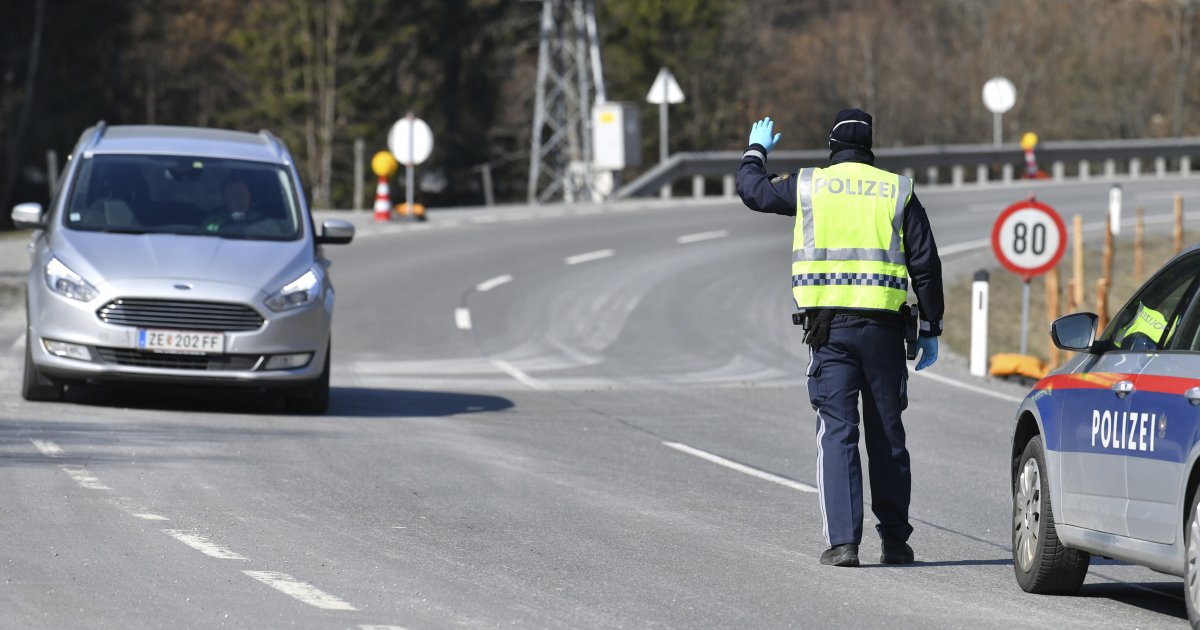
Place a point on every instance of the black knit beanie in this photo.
(851, 130)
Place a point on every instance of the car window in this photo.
(183, 195)
(1152, 319)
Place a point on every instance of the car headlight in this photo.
(299, 292)
(65, 282)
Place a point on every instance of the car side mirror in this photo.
(1076, 331)
(28, 216)
(336, 232)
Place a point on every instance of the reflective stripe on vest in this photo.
(848, 246)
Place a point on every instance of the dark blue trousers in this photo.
(863, 358)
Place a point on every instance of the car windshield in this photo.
(171, 194)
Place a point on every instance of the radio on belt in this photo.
(910, 314)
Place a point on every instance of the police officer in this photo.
(860, 238)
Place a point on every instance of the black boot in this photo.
(841, 556)
(896, 552)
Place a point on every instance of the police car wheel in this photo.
(1042, 564)
(1191, 575)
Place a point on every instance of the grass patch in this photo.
(1004, 308)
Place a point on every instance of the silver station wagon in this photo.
(1106, 450)
(179, 255)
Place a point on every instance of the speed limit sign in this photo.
(1029, 238)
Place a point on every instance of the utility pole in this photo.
(560, 157)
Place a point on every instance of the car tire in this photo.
(1191, 567)
(313, 397)
(35, 386)
(1042, 563)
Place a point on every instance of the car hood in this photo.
(104, 257)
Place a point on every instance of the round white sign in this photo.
(411, 141)
(999, 95)
(1029, 238)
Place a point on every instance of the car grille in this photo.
(141, 358)
(180, 314)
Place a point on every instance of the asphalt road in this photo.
(546, 418)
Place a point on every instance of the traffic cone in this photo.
(383, 202)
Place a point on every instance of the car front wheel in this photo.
(35, 386)
(1191, 576)
(1041, 562)
(313, 397)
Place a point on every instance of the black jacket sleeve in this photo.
(762, 192)
(924, 267)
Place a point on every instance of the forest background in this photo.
(321, 73)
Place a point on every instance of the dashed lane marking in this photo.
(702, 236)
(588, 257)
(512, 371)
(305, 593)
(742, 468)
(85, 478)
(48, 448)
(488, 285)
(462, 318)
(146, 516)
(203, 545)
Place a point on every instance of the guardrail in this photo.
(953, 165)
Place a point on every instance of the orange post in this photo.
(1102, 303)
(1053, 295)
(1178, 223)
(1139, 242)
(1077, 259)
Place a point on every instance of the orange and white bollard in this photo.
(383, 201)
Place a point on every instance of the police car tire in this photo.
(1056, 569)
(1188, 596)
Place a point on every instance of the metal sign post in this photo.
(1028, 238)
(411, 141)
(665, 91)
(999, 95)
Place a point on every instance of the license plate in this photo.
(181, 341)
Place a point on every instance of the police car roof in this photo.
(193, 141)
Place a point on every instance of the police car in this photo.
(1105, 450)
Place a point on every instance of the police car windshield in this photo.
(140, 194)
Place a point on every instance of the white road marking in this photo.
(551, 214)
(48, 448)
(702, 236)
(488, 285)
(146, 516)
(742, 468)
(85, 478)
(203, 545)
(512, 371)
(306, 593)
(518, 216)
(377, 627)
(485, 219)
(19, 343)
(966, 246)
(588, 257)
(586, 212)
(462, 318)
(973, 388)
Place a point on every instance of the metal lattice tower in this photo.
(560, 158)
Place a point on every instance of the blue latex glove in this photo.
(760, 133)
(928, 347)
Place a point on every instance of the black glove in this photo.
(818, 329)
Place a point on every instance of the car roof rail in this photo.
(275, 143)
(101, 127)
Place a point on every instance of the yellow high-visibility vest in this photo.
(848, 245)
(1146, 321)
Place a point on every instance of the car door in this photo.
(1105, 423)
(1164, 413)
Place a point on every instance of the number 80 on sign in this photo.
(1029, 238)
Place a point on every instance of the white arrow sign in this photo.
(665, 89)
